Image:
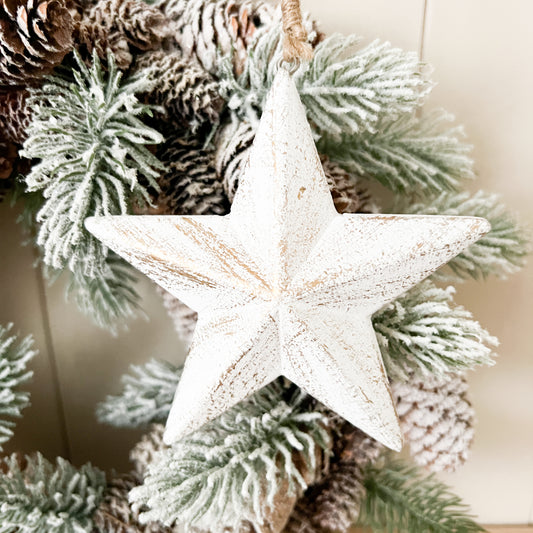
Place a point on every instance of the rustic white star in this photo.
(284, 285)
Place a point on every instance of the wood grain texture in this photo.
(284, 285)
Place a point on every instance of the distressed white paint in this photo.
(284, 285)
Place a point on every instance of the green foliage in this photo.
(14, 358)
(411, 155)
(91, 147)
(37, 496)
(231, 470)
(501, 251)
(401, 499)
(146, 398)
(423, 331)
(343, 89)
(108, 296)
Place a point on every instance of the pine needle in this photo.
(344, 89)
(399, 498)
(232, 469)
(91, 146)
(422, 331)
(146, 397)
(37, 496)
(416, 156)
(501, 252)
(14, 357)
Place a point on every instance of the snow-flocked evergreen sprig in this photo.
(109, 296)
(91, 144)
(419, 156)
(400, 497)
(344, 89)
(146, 397)
(502, 251)
(232, 469)
(37, 496)
(14, 357)
(91, 148)
(423, 331)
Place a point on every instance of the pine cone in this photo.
(333, 504)
(122, 26)
(114, 514)
(437, 420)
(14, 115)
(231, 156)
(188, 93)
(143, 453)
(183, 317)
(35, 35)
(190, 186)
(208, 29)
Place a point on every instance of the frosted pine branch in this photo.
(417, 156)
(502, 251)
(91, 145)
(422, 331)
(108, 296)
(37, 496)
(400, 498)
(146, 397)
(234, 468)
(344, 89)
(14, 357)
(92, 149)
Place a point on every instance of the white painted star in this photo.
(284, 285)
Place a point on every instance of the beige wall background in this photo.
(482, 52)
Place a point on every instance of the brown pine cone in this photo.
(332, 505)
(231, 156)
(191, 185)
(189, 94)
(123, 27)
(207, 29)
(183, 317)
(14, 115)
(143, 453)
(114, 514)
(437, 420)
(35, 35)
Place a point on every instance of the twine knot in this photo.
(295, 45)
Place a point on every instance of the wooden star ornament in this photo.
(285, 285)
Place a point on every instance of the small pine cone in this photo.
(348, 196)
(14, 115)
(124, 27)
(437, 420)
(231, 155)
(143, 453)
(190, 186)
(183, 317)
(333, 503)
(8, 156)
(35, 35)
(208, 29)
(189, 94)
(114, 514)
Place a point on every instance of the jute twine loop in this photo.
(295, 45)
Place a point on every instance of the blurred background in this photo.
(482, 55)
